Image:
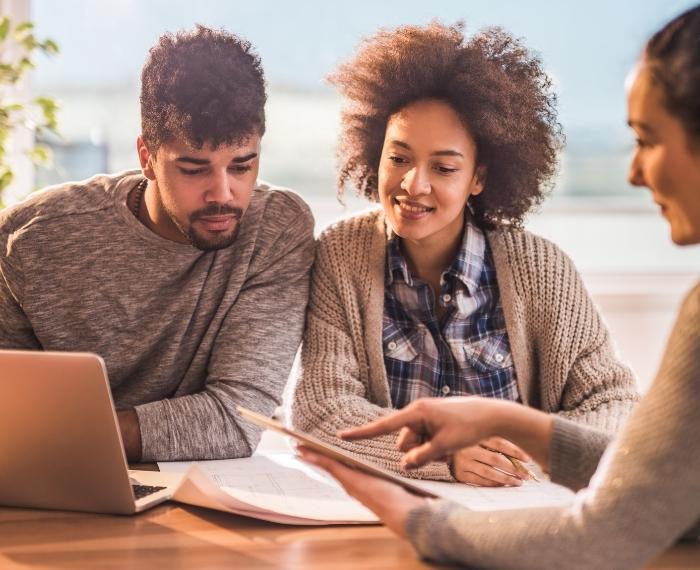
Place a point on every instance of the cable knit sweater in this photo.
(561, 349)
(644, 495)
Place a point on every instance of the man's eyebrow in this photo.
(206, 161)
(436, 153)
(192, 160)
(245, 158)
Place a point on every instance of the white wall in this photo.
(640, 311)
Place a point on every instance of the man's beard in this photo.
(212, 241)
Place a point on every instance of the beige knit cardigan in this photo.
(562, 352)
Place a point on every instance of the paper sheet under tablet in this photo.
(530, 495)
(281, 488)
(272, 486)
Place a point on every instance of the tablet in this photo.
(332, 451)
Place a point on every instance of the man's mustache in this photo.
(217, 210)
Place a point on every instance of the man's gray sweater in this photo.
(185, 334)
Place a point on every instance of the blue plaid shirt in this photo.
(467, 351)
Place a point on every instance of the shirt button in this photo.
(445, 390)
(391, 345)
(499, 357)
(446, 298)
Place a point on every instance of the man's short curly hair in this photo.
(493, 82)
(201, 86)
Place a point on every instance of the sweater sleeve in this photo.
(575, 452)
(333, 389)
(598, 390)
(16, 330)
(644, 495)
(250, 361)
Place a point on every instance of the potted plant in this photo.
(18, 49)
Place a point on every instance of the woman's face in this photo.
(665, 160)
(427, 171)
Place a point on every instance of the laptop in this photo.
(60, 444)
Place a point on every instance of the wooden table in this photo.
(174, 537)
(177, 537)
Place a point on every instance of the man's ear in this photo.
(479, 180)
(145, 158)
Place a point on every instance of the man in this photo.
(188, 277)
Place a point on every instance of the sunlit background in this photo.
(611, 230)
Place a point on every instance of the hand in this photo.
(483, 465)
(131, 434)
(437, 428)
(390, 502)
(433, 429)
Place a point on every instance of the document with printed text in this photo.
(279, 487)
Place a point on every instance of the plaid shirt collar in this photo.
(466, 267)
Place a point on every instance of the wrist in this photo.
(528, 428)
(507, 419)
(131, 433)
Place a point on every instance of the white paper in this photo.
(531, 494)
(279, 487)
(270, 486)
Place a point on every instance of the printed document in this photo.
(279, 487)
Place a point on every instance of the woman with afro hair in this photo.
(441, 293)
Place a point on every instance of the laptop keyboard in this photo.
(141, 491)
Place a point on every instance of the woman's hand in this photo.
(485, 465)
(434, 429)
(390, 502)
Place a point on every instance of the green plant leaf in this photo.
(46, 103)
(14, 114)
(50, 47)
(13, 107)
(29, 43)
(24, 64)
(23, 28)
(42, 155)
(6, 179)
(4, 28)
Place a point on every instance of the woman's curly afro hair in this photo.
(493, 82)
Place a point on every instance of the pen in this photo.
(520, 467)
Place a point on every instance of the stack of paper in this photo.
(279, 487)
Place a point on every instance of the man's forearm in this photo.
(131, 434)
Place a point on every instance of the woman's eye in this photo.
(397, 159)
(445, 169)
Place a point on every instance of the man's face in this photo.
(198, 196)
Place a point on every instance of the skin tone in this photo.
(428, 169)
(667, 162)
(432, 429)
(198, 196)
(194, 196)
